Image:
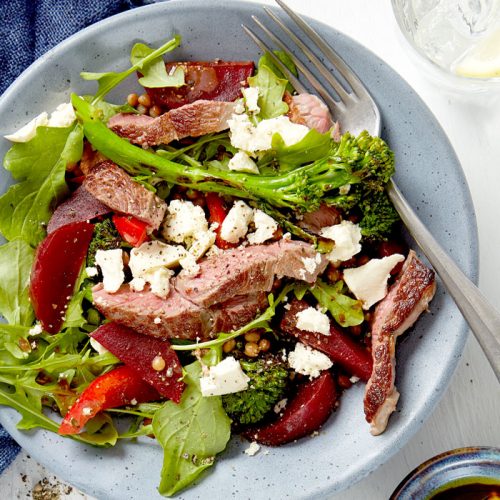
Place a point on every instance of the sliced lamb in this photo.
(408, 297)
(191, 120)
(175, 316)
(241, 271)
(112, 186)
(79, 207)
(324, 216)
(310, 110)
(90, 158)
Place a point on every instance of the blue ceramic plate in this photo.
(428, 173)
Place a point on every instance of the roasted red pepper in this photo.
(132, 230)
(305, 413)
(218, 212)
(214, 81)
(58, 261)
(338, 346)
(119, 387)
(150, 358)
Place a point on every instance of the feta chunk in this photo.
(137, 284)
(250, 138)
(225, 377)
(312, 320)
(154, 254)
(308, 361)
(26, 133)
(97, 346)
(36, 329)
(251, 96)
(252, 449)
(241, 162)
(111, 264)
(91, 271)
(369, 282)
(347, 237)
(188, 263)
(203, 242)
(184, 220)
(265, 227)
(159, 279)
(62, 116)
(235, 225)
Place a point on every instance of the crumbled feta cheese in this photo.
(157, 321)
(241, 162)
(183, 221)
(97, 346)
(250, 138)
(252, 449)
(225, 377)
(36, 329)
(26, 133)
(347, 237)
(87, 411)
(188, 263)
(239, 107)
(369, 282)
(111, 264)
(235, 225)
(154, 254)
(91, 271)
(137, 284)
(251, 96)
(62, 116)
(308, 361)
(310, 264)
(280, 405)
(265, 227)
(312, 320)
(159, 279)
(354, 379)
(203, 242)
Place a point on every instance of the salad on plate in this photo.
(212, 256)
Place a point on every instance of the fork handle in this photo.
(482, 317)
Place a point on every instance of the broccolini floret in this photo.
(105, 237)
(267, 386)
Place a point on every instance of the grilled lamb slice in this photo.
(115, 188)
(408, 297)
(309, 110)
(324, 216)
(191, 120)
(251, 269)
(175, 316)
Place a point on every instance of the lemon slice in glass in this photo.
(482, 60)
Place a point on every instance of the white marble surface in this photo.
(468, 413)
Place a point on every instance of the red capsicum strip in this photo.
(132, 230)
(217, 214)
(119, 387)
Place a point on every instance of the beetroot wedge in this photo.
(338, 346)
(151, 358)
(305, 413)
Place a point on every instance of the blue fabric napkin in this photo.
(27, 30)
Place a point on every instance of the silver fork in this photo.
(353, 106)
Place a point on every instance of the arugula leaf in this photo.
(107, 81)
(313, 146)
(11, 353)
(271, 90)
(105, 110)
(154, 73)
(345, 310)
(16, 260)
(39, 165)
(267, 60)
(191, 433)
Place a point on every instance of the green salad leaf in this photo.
(271, 91)
(106, 110)
(345, 310)
(39, 165)
(267, 60)
(16, 260)
(191, 433)
(148, 61)
(154, 72)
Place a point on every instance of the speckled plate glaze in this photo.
(470, 465)
(428, 173)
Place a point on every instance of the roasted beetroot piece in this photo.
(80, 207)
(338, 346)
(213, 81)
(57, 265)
(152, 359)
(305, 413)
(119, 387)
